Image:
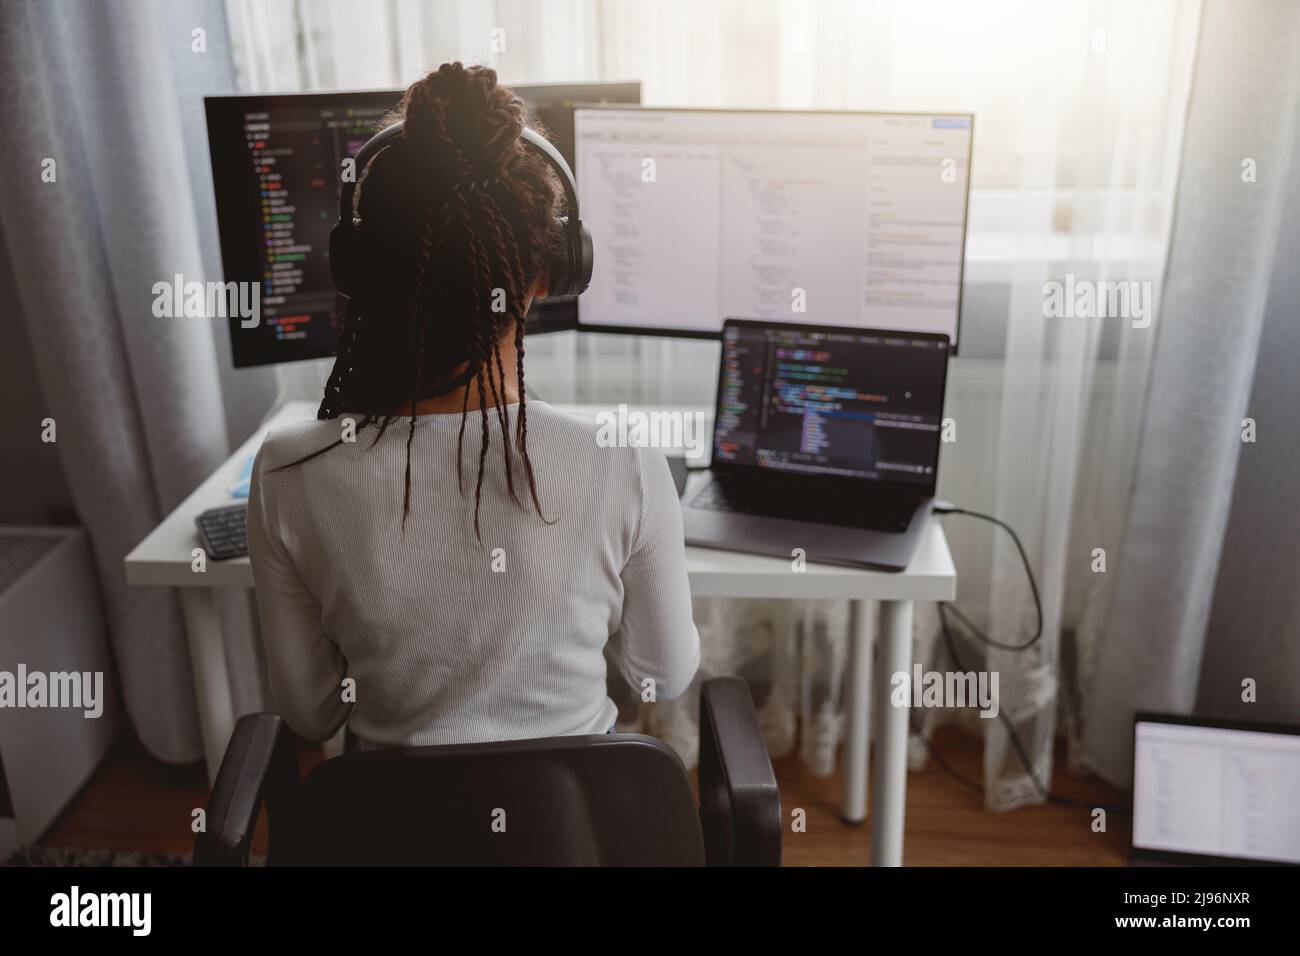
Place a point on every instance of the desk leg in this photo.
(858, 686)
(211, 681)
(890, 784)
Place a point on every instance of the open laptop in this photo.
(825, 438)
(1214, 792)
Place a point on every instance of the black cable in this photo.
(1016, 744)
(943, 508)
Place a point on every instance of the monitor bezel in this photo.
(684, 333)
(901, 488)
(1144, 854)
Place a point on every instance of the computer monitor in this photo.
(830, 218)
(1215, 791)
(276, 162)
(831, 401)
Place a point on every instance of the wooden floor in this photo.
(135, 803)
(946, 823)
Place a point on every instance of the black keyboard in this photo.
(224, 532)
(799, 502)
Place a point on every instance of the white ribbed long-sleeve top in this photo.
(446, 640)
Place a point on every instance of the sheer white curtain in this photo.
(145, 407)
(1098, 128)
(1207, 598)
(1079, 111)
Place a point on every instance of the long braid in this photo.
(419, 324)
(521, 428)
(523, 417)
(508, 253)
(485, 327)
(484, 274)
(481, 337)
(507, 249)
(329, 404)
(503, 417)
(497, 388)
(460, 443)
(482, 455)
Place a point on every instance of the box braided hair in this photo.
(460, 214)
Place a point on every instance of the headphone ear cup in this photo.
(584, 259)
(559, 260)
(570, 258)
(344, 253)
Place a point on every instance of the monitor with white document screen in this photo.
(1207, 791)
(829, 218)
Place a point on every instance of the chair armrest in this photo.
(260, 762)
(740, 807)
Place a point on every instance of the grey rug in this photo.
(36, 855)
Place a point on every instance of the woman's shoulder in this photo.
(288, 443)
(563, 427)
(583, 442)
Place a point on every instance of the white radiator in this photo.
(51, 623)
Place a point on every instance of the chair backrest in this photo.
(608, 800)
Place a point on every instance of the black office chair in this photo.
(607, 800)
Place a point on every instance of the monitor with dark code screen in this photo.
(276, 163)
(835, 402)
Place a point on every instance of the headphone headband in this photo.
(384, 138)
(552, 155)
(372, 148)
(570, 275)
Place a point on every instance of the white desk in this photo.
(164, 558)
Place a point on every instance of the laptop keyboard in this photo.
(779, 499)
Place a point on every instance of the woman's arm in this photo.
(306, 668)
(658, 637)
